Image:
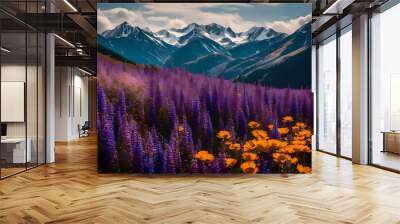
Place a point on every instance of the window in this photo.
(327, 95)
(385, 89)
(346, 92)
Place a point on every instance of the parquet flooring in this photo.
(71, 191)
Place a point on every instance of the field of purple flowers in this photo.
(153, 120)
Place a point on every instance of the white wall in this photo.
(71, 102)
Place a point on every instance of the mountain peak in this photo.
(122, 30)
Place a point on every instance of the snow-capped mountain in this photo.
(225, 36)
(210, 49)
(137, 44)
(260, 33)
(167, 37)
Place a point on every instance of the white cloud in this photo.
(108, 19)
(192, 13)
(176, 23)
(289, 26)
(103, 24)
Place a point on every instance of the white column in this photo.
(360, 90)
(50, 99)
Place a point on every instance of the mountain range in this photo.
(259, 55)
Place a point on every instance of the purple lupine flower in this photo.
(137, 149)
(245, 104)
(265, 166)
(172, 118)
(170, 158)
(222, 165)
(196, 117)
(158, 98)
(294, 110)
(207, 130)
(149, 155)
(214, 110)
(101, 100)
(242, 124)
(226, 111)
(194, 167)
(160, 163)
(152, 113)
(174, 145)
(124, 136)
(108, 157)
(203, 167)
(188, 137)
(274, 132)
(215, 166)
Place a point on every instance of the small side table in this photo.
(391, 141)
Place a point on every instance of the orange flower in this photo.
(248, 156)
(261, 145)
(253, 124)
(301, 125)
(181, 128)
(270, 126)
(275, 143)
(249, 167)
(303, 148)
(299, 138)
(289, 149)
(259, 134)
(249, 146)
(205, 156)
(303, 169)
(210, 158)
(287, 119)
(234, 147)
(283, 131)
(295, 129)
(230, 162)
(305, 133)
(280, 157)
(228, 142)
(298, 142)
(294, 160)
(224, 135)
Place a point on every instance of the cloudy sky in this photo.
(239, 16)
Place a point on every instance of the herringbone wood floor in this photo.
(71, 191)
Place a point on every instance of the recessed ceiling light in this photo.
(65, 41)
(70, 5)
(5, 50)
(84, 71)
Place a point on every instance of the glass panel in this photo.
(314, 90)
(41, 99)
(327, 96)
(31, 98)
(32, 87)
(385, 84)
(23, 89)
(13, 87)
(346, 93)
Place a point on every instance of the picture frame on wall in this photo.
(204, 88)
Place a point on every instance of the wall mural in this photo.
(204, 88)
